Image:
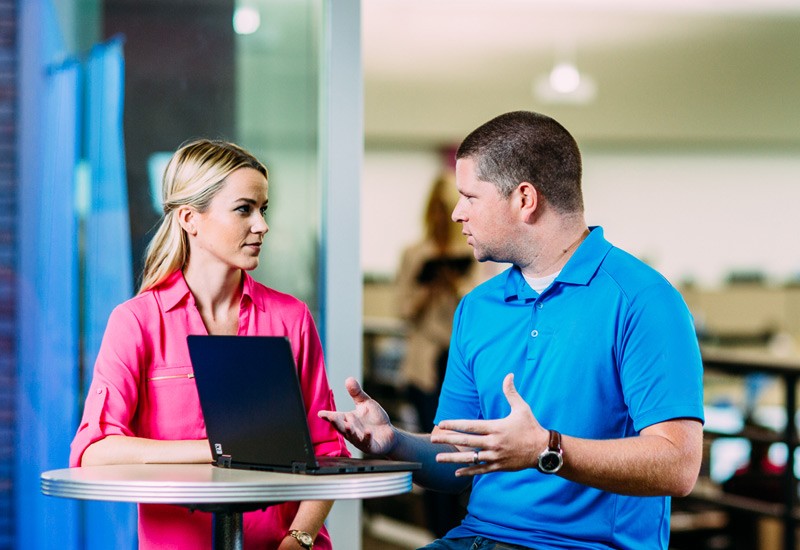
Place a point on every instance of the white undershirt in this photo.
(540, 283)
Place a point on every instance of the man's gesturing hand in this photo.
(506, 444)
(367, 426)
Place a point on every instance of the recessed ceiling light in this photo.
(246, 20)
(565, 84)
(565, 78)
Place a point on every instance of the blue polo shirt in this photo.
(606, 350)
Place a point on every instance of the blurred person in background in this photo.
(434, 274)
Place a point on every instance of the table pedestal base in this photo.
(228, 531)
(228, 523)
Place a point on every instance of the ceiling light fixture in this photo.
(246, 20)
(565, 78)
(565, 83)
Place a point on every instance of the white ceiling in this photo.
(715, 72)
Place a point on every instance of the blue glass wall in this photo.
(74, 267)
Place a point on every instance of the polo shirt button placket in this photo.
(534, 332)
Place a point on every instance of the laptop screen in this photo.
(251, 400)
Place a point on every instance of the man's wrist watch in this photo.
(552, 458)
(305, 540)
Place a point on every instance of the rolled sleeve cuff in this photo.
(92, 427)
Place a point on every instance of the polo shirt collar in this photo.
(579, 269)
(174, 291)
(586, 260)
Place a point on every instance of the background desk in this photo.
(787, 369)
(227, 493)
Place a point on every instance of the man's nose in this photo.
(457, 216)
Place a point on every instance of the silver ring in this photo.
(475, 459)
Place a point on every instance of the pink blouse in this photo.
(143, 387)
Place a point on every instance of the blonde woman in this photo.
(142, 405)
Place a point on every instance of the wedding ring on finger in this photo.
(476, 457)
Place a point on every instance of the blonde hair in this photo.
(193, 176)
(441, 200)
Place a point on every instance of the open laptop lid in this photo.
(254, 411)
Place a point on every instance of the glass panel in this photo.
(189, 73)
(277, 91)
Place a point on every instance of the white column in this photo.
(341, 148)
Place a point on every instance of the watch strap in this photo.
(555, 441)
(551, 459)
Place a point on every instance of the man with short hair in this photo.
(572, 399)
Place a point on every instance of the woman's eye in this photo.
(263, 210)
(244, 209)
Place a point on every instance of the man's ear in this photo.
(529, 200)
(186, 218)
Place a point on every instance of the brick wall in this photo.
(8, 184)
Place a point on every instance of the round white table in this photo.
(227, 493)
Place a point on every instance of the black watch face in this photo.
(550, 461)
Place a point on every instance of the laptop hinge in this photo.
(224, 461)
(299, 467)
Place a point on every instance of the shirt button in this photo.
(99, 390)
(534, 333)
(539, 305)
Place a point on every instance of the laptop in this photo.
(254, 412)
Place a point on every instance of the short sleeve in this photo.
(661, 368)
(459, 395)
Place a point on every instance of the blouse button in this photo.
(534, 333)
